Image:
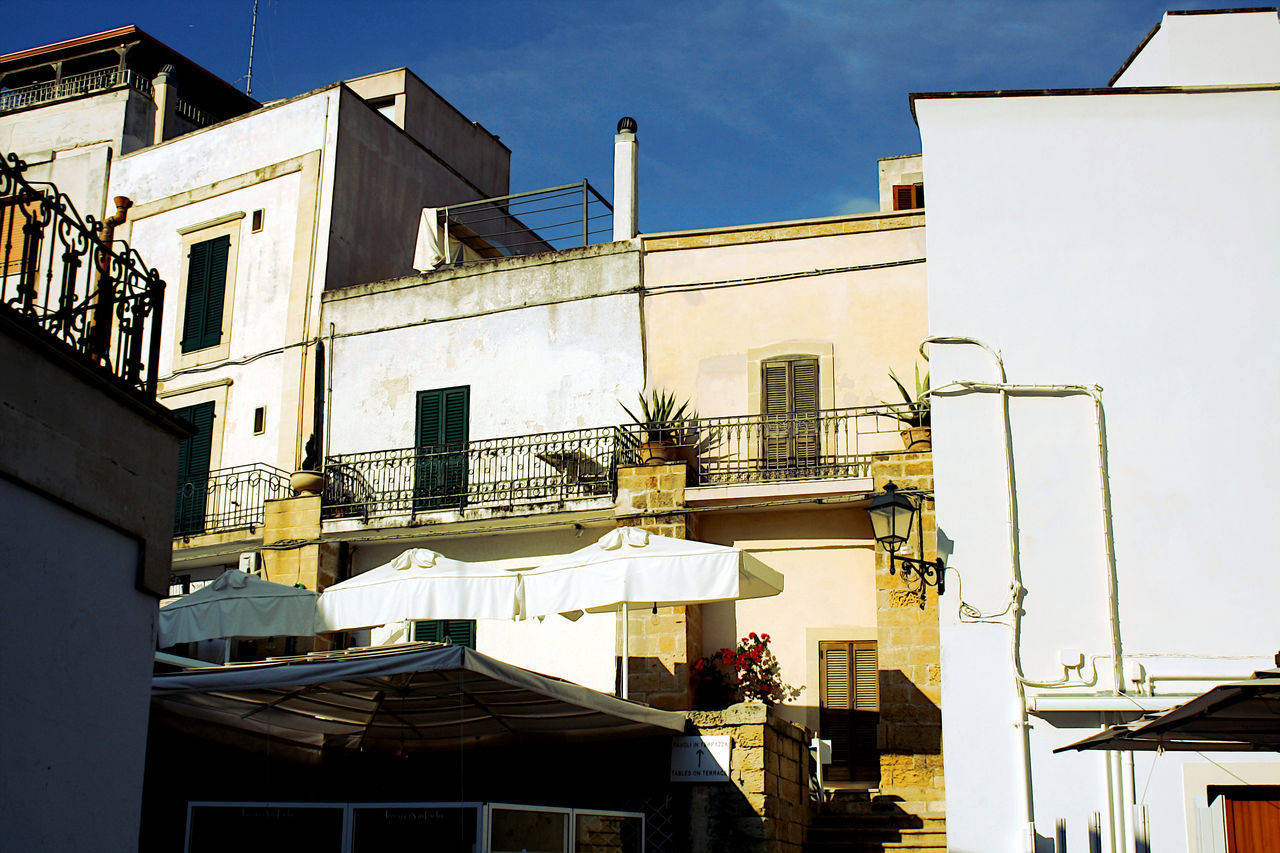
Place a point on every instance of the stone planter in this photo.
(307, 482)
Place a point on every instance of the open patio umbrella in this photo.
(421, 584)
(239, 605)
(629, 565)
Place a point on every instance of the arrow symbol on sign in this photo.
(699, 754)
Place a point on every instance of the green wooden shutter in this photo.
(194, 453)
(206, 291)
(441, 435)
(458, 632)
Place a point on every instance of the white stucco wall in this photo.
(562, 363)
(1208, 49)
(1119, 257)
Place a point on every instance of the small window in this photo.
(456, 632)
(908, 196)
(258, 216)
(179, 585)
(260, 420)
(206, 290)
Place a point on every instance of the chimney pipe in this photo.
(624, 180)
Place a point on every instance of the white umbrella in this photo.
(421, 584)
(239, 605)
(629, 565)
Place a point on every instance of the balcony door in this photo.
(440, 458)
(849, 696)
(193, 470)
(790, 441)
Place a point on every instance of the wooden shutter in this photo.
(20, 232)
(849, 699)
(194, 453)
(1253, 819)
(441, 435)
(908, 196)
(790, 442)
(206, 291)
(459, 632)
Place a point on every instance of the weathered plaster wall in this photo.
(382, 181)
(561, 363)
(701, 341)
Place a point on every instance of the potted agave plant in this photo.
(914, 413)
(663, 419)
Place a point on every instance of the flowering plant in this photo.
(749, 673)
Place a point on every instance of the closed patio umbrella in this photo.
(239, 605)
(421, 584)
(629, 565)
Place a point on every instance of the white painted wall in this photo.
(1208, 50)
(1120, 256)
(562, 363)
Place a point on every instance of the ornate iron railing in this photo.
(66, 275)
(227, 499)
(497, 472)
(822, 445)
(73, 86)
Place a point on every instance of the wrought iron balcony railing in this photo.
(497, 472)
(73, 86)
(67, 276)
(227, 499)
(826, 444)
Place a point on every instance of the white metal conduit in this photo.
(1006, 390)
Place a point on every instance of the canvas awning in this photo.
(238, 605)
(412, 698)
(1237, 717)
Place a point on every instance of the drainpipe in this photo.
(625, 219)
(1005, 389)
(104, 294)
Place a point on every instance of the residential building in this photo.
(87, 464)
(1098, 323)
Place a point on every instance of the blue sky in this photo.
(748, 110)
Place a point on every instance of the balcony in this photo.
(546, 468)
(72, 86)
(824, 445)
(68, 279)
(227, 499)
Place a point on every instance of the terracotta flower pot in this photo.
(917, 438)
(656, 452)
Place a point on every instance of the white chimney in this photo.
(624, 180)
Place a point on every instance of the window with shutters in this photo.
(849, 696)
(206, 290)
(455, 632)
(193, 469)
(790, 437)
(441, 436)
(20, 233)
(908, 196)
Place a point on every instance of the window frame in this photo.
(229, 226)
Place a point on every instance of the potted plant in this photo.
(663, 419)
(749, 673)
(915, 414)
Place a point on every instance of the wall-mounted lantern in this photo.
(892, 517)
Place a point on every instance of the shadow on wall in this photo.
(910, 722)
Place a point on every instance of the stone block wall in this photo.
(766, 808)
(665, 642)
(910, 731)
(313, 565)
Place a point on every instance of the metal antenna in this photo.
(253, 32)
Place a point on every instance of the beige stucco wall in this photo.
(826, 558)
(705, 342)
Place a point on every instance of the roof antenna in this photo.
(253, 32)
